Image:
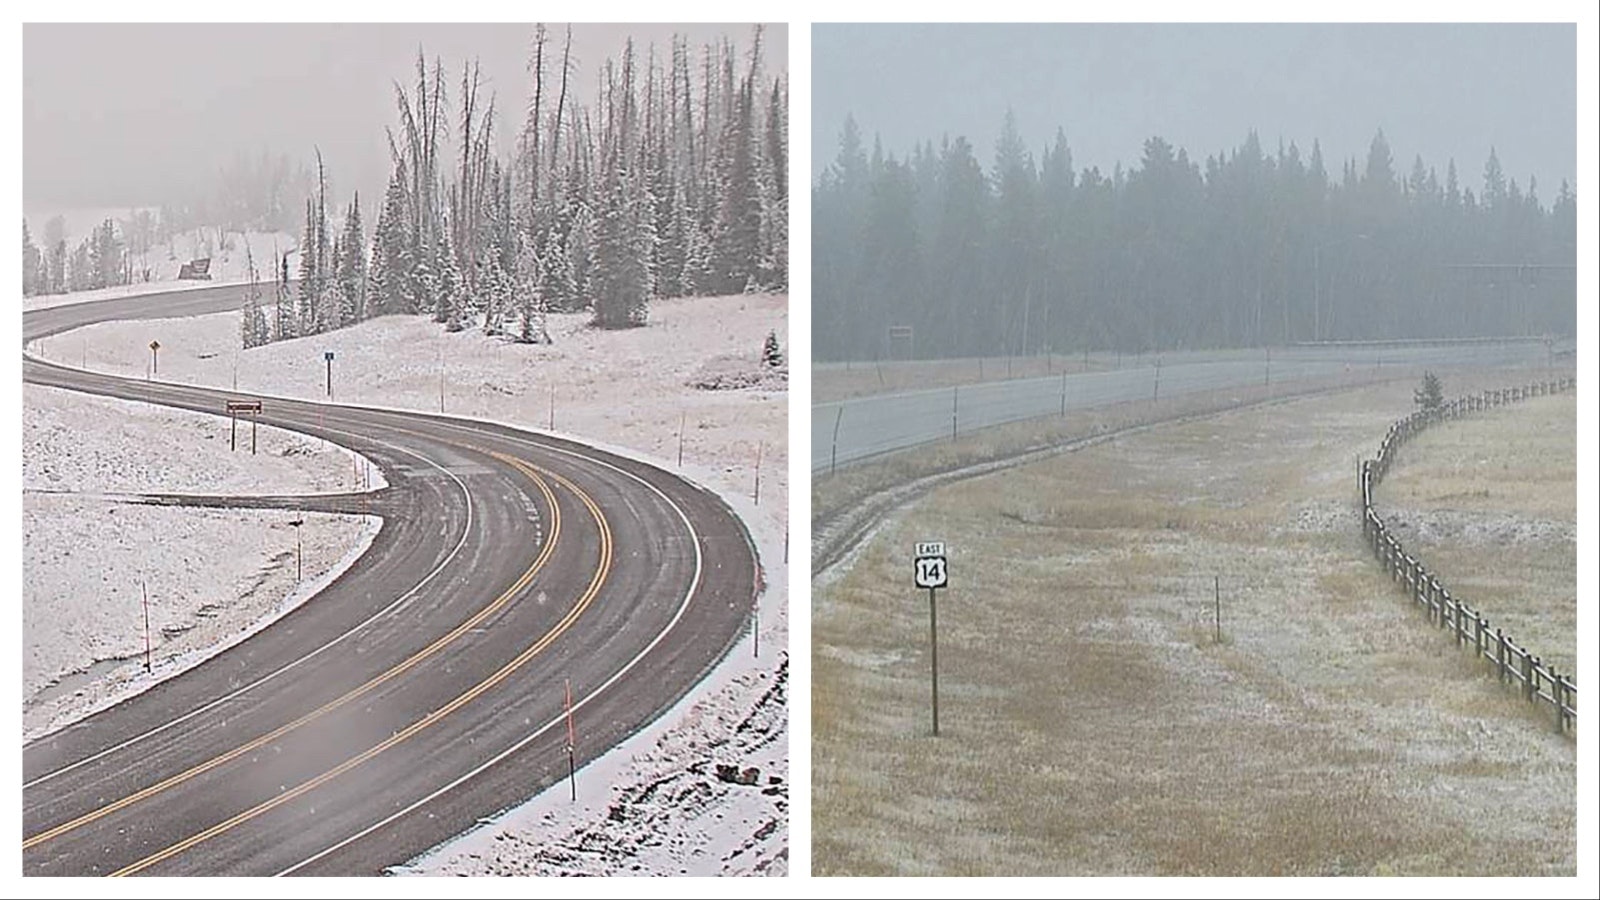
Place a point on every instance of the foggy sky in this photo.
(1437, 90)
(118, 115)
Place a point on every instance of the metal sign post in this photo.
(327, 356)
(932, 573)
(234, 407)
(154, 346)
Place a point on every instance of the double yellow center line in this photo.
(472, 622)
(602, 570)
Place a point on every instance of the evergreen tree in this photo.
(623, 282)
(771, 353)
(32, 265)
(392, 259)
(1431, 395)
(352, 268)
(285, 322)
(309, 286)
(252, 322)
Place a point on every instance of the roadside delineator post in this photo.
(144, 593)
(572, 746)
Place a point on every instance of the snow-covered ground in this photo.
(229, 264)
(690, 382)
(91, 553)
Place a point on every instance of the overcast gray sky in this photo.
(1437, 90)
(117, 115)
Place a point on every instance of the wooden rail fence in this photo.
(1513, 664)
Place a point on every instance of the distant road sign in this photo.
(327, 355)
(932, 570)
(155, 345)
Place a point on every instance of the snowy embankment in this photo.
(689, 386)
(229, 265)
(91, 553)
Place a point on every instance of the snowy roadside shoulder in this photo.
(85, 648)
(111, 585)
(84, 443)
(702, 790)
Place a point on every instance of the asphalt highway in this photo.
(422, 690)
(848, 431)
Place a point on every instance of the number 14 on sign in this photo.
(932, 574)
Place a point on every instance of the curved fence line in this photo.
(1513, 664)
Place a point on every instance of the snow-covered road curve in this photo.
(575, 562)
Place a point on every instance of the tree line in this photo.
(671, 183)
(1247, 248)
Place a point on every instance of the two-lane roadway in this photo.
(424, 688)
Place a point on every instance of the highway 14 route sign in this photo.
(932, 571)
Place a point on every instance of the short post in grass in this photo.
(572, 746)
(144, 593)
(932, 573)
(759, 445)
(833, 456)
(1216, 589)
(955, 411)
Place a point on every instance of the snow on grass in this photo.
(1092, 723)
(689, 386)
(84, 443)
(213, 576)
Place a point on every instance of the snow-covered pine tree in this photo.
(527, 297)
(774, 262)
(697, 277)
(580, 257)
(552, 274)
(330, 303)
(252, 322)
(32, 264)
(352, 268)
(622, 265)
(771, 353)
(284, 318)
(736, 241)
(450, 295)
(391, 273)
(308, 290)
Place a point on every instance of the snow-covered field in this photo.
(91, 552)
(689, 386)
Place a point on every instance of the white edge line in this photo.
(683, 607)
(399, 601)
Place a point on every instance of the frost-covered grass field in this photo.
(692, 375)
(211, 574)
(1488, 502)
(1092, 724)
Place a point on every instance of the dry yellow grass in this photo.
(1092, 724)
(1488, 502)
